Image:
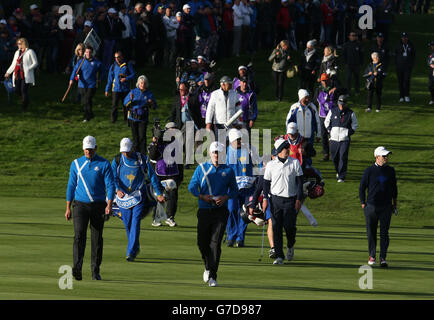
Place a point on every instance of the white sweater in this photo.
(29, 61)
(219, 110)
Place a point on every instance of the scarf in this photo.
(327, 58)
(19, 67)
(309, 54)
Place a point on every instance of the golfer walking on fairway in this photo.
(90, 182)
(380, 180)
(283, 179)
(213, 182)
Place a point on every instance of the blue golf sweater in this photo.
(381, 184)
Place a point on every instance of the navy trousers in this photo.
(339, 153)
(373, 215)
(283, 214)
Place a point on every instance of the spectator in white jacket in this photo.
(22, 70)
(171, 24)
(222, 105)
(305, 114)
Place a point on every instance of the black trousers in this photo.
(279, 78)
(350, 72)
(404, 75)
(83, 213)
(431, 85)
(116, 97)
(211, 226)
(339, 154)
(172, 202)
(378, 91)
(22, 89)
(138, 130)
(283, 214)
(324, 138)
(86, 100)
(373, 215)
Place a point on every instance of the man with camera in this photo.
(188, 72)
(165, 168)
(118, 80)
(185, 108)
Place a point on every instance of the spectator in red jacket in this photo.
(283, 22)
(327, 20)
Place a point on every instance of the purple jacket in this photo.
(248, 105)
(325, 103)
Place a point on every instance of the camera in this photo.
(157, 131)
(182, 65)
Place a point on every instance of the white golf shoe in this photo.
(206, 276)
(278, 261)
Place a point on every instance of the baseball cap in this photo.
(242, 67)
(126, 145)
(243, 79)
(342, 100)
(193, 61)
(87, 23)
(324, 77)
(302, 93)
(380, 35)
(112, 10)
(404, 35)
(281, 144)
(225, 79)
(186, 6)
(234, 134)
(89, 142)
(381, 151)
(291, 128)
(216, 146)
(178, 14)
(33, 7)
(201, 57)
(170, 125)
(3, 21)
(274, 152)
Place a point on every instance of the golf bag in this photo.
(258, 216)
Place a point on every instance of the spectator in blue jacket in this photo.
(138, 102)
(90, 184)
(85, 71)
(118, 82)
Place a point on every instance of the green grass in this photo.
(35, 239)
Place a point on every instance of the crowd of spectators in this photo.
(158, 31)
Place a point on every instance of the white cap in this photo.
(381, 151)
(112, 10)
(216, 146)
(33, 7)
(291, 128)
(186, 6)
(242, 67)
(87, 23)
(234, 134)
(126, 145)
(178, 14)
(89, 142)
(3, 21)
(200, 57)
(170, 125)
(280, 143)
(302, 93)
